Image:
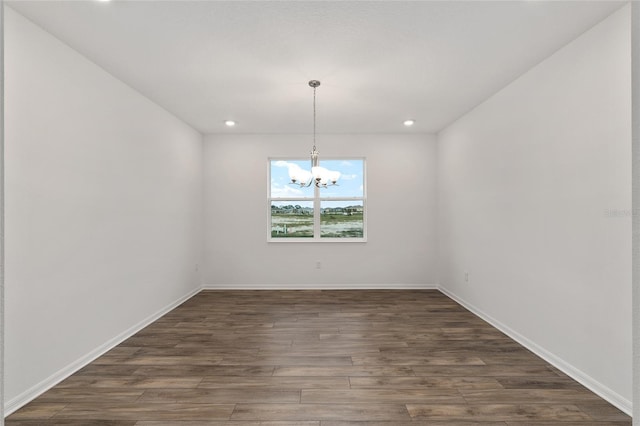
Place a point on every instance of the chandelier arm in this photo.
(302, 185)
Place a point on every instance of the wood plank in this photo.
(200, 371)
(518, 370)
(413, 423)
(139, 411)
(498, 412)
(69, 422)
(90, 395)
(415, 360)
(342, 371)
(86, 381)
(381, 396)
(362, 412)
(603, 412)
(412, 382)
(555, 423)
(279, 382)
(538, 383)
(529, 396)
(170, 360)
(226, 423)
(219, 396)
(287, 360)
(38, 410)
(106, 370)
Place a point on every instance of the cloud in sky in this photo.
(285, 191)
(349, 176)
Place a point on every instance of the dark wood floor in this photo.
(323, 358)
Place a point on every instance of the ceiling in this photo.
(379, 62)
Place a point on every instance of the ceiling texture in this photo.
(379, 62)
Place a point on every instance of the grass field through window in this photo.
(332, 225)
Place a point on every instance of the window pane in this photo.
(281, 186)
(351, 182)
(292, 219)
(341, 219)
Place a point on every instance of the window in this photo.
(334, 213)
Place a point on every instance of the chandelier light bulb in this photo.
(305, 178)
(409, 123)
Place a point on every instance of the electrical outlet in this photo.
(318, 265)
(466, 276)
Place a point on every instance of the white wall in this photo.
(401, 247)
(635, 120)
(103, 209)
(535, 203)
(1, 213)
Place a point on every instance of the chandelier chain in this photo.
(314, 118)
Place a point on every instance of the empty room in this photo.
(319, 213)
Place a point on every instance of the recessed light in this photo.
(229, 123)
(409, 123)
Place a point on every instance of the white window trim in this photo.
(317, 198)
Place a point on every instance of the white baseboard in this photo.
(38, 389)
(421, 286)
(587, 381)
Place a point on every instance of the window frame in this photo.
(317, 200)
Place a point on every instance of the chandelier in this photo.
(319, 176)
